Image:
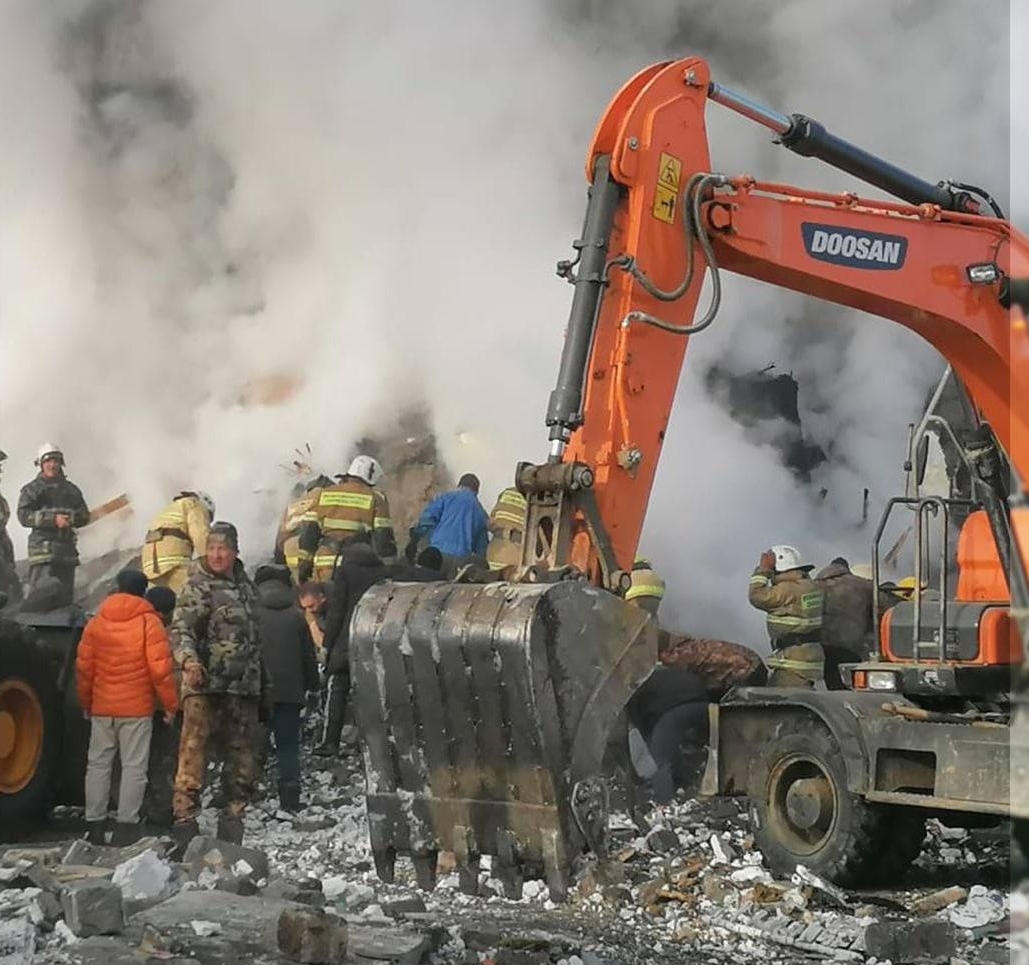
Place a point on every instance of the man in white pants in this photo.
(123, 660)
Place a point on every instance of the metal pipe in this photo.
(809, 138)
(564, 411)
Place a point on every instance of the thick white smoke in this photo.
(367, 201)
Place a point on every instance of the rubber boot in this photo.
(126, 834)
(230, 829)
(289, 798)
(96, 832)
(182, 832)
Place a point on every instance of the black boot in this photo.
(289, 798)
(125, 834)
(230, 829)
(96, 832)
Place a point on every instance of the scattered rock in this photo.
(81, 852)
(314, 824)
(236, 884)
(144, 876)
(305, 893)
(716, 889)
(938, 900)
(722, 852)
(311, 936)
(901, 941)
(204, 852)
(205, 929)
(403, 906)
(663, 841)
(93, 908)
(17, 941)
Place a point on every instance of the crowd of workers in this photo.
(192, 632)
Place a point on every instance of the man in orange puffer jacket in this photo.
(123, 660)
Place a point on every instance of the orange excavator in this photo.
(491, 712)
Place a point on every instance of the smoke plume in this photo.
(232, 228)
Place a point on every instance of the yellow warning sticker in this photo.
(664, 203)
(666, 193)
(669, 171)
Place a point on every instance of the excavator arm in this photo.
(659, 222)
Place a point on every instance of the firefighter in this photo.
(782, 588)
(353, 507)
(647, 589)
(51, 507)
(506, 528)
(176, 535)
(9, 582)
(287, 542)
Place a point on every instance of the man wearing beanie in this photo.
(217, 645)
(123, 660)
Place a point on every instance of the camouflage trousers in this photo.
(720, 664)
(231, 721)
(797, 665)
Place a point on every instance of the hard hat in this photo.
(864, 570)
(208, 503)
(641, 563)
(366, 468)
(48, 449)
(789, 558)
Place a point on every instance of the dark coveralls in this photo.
(53, 552)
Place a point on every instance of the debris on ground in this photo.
(686, 884)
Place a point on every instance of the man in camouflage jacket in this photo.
(225, 691)
(52, 507)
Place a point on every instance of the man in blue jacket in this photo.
(454, 522)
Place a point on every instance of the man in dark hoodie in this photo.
(846, 618)
(289, 656)
(359, 568)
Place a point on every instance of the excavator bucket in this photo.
(485, 713)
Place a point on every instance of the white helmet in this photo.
(366, 468)
(789, 558)
(864, 570)
(48, 449)
(208, 503)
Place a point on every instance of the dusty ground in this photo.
(691, 890)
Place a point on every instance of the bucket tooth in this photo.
(556, 871)
(425, 869)
(385, 864)
(467, 858)
(507, 867)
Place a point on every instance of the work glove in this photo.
(768, 560)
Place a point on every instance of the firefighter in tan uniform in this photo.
(781, 586)
(506, 528)
(647, 589)
(287, 540)
(175, 536)
(352, 509)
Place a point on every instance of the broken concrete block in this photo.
(17, 941)
(663, 841)
(93, 908)
(142, 877)
(205, 852)
(236, 884)
(938, 900)
(45, 907)
(395, 945)
(901, 941)
(81, 852)
(403, 906)
(205, 929)
(303, 892)
(311, 936)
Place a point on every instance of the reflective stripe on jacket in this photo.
(793, 603)
(175, 536)
(645, 582)
(509, 514)
(341, 512)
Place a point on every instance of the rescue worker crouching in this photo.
(344, 511)
(782, 588)
(176, 535)
(507, 524)
(52, 508)
(225, 687)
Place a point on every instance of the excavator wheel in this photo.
(803, 813)
(30, 730)
(485, 713)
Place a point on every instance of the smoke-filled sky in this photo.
(199, 197)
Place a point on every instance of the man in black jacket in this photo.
(359, 568)
(289, 656)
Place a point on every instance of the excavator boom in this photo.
(486, 709)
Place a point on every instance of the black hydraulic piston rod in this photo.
(564, 412)
(809, 138)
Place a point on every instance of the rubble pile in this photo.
(687, 886)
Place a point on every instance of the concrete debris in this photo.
(311, 936)
(804, 876)
(218, 856)
(17, 941)
(938, 900)
(205, 929)
(929, 941)
(983, 907)
(144, 876)
(93, 908)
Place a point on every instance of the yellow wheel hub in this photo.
(21, 735)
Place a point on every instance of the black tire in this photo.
(24, 667)
(1020, 832)
(837, 834)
